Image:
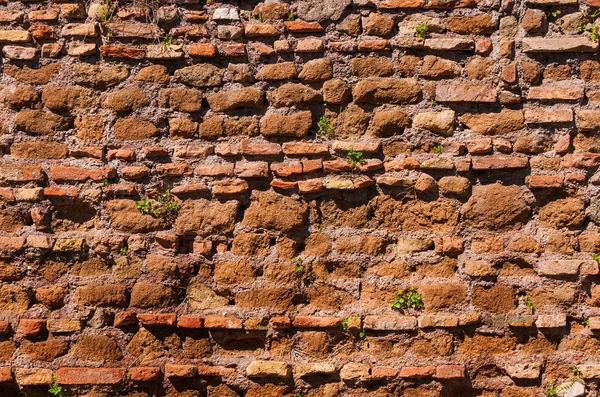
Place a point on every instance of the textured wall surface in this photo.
(315, 158)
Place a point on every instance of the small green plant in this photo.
(528, 303)
(596, 257)
(437, 149)
(128, 375)
(589, 26)
(432, 102)
(307, 276)
(421, 30)
(55, 389)
(165, 207)
(325, 128)
(550, 390)
(344, 322)
(355, 158)
(290, 16)
(298, 394)
(577, 372)
(260, 18)
(106, 182)
(407, 299)
(361, 334)
(585, 322)
(555, 14)
(166, 40)
(598, 145)
(123, 250)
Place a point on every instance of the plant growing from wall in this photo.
(437, 149)
(407, 299)
(290, 16)
(164, 207)
(355, 157)
(421, 30)
(55, 389)
(325, 128)
(589, 26)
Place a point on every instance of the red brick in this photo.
(279, 184)
(230, 186)
(407, 163)
(14, 173)
(167, 319)
(123, 319)
(498, 162)
(5, 375)
(280, 322)
(417, 372)
(222, 322)
(465, 93)
(544, 181)
(90, 376)
(30, 327)
(395, 4)
(316, 322)
(122, 52)
(310, 185)
(300, 26)
(556, 93)
(205, 50)
(232, 49)
(286, 169)
(144, 374)
(378, 373)
(581, 160)
(76, 174)
(180, 371)
(260, 149)
(215, 370)
(306, 148)
(190, 322)
(450, 371)
(312, 165)
(373, 45)
(337, 166)
(4, 327)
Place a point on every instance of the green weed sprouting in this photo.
(421, 30)
(592, 31)
(165, 207)
(437, 149)
(123, 250)
(585, 322)
(344, 322)
(325, 128)
(354, 157)
(167, 40)
(529, 303)
(408, 299)
(290, 16)
(55, 389)
(259, 18)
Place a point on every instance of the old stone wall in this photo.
(308, 198)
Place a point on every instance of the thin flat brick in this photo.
(316, 322)
(222, 322)
(465, 93)
(158, 319)
(190, 322)
(499, 162)
(390, 323)
(570, 44)
(90, 376)
(450, 371)
(556, 93)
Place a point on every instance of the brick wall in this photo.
(204, 198)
